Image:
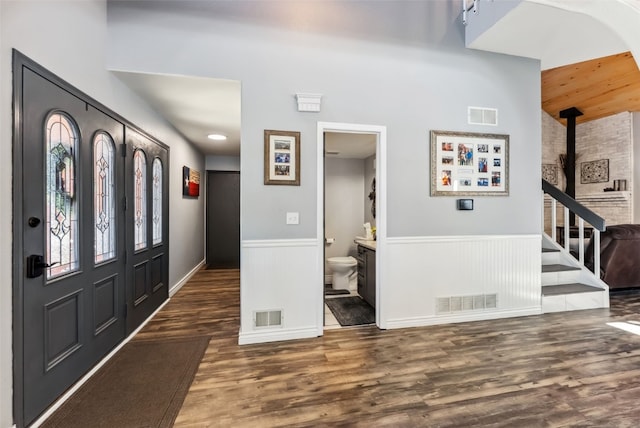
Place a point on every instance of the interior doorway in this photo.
(223, 220)
(376, 155)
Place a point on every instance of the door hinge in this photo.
(124, 258)
(125, 311)
(123, 150)
(124, 204)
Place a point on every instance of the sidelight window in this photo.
(104, 197)
(157, 202)
(140, 200)
(62, 231)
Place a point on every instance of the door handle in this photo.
(36, 265)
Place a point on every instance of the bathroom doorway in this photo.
(350, 227)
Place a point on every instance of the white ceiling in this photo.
(558, 32)
(349, 145)
(195, 106)
(562, 32)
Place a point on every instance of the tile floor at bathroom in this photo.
(330, 321)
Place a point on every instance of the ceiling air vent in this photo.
(268, 318)
(482, 116)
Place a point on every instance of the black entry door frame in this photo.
(20, 168)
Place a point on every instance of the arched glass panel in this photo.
(62, 228)
(104, 199)
(157, 201)
(140, 199)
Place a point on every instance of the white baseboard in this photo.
(264, 336)
(450, 319)
(173, 290)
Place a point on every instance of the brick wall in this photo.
(607, 138)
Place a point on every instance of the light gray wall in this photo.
(369, 174)
(400, 64)
(222, 163)
(488, 14)
(69, 38)
(343, 211)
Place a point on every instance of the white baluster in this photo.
(581, 240)
(596, 252)
(566, 229)
(554, 219)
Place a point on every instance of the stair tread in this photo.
(550, 250)
(558, 268)
(572, 288)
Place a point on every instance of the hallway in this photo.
(548, 370)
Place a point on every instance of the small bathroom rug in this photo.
(350, 311)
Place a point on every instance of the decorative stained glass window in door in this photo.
(140, 200)
(104, 200)
(157, 201)
(61, 201)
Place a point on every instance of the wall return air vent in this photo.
(482, 116)
(267, 318)
(452, 304)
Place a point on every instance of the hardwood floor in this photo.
(569, 369)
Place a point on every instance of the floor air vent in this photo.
(446, 305)
(268, 318)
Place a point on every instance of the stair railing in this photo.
(582, 213)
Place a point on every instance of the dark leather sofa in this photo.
(619, 256)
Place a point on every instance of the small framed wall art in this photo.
(282, 157)
(190, 182)
(596, 171)
(469, 164)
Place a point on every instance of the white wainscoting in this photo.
(284, 275)
(419, 270)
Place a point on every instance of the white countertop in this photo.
(370, 244)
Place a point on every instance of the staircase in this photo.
(567, 284)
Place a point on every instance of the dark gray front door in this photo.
(223, 219)
(73, 238)
(147, 220)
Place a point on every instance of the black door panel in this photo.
(81, 284)
(223, 219)
(72, 307)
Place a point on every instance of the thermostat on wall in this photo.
(465, 204)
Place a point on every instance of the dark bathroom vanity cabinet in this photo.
(367, 272)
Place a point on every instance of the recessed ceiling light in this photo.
(217, 137)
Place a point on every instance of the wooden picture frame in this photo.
(282, 157)
(469, 164)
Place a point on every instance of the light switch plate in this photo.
(293, 218)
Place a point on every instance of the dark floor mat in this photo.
(351, 311)
(143, 385)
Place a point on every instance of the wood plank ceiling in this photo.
(600, 87)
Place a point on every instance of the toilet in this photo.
(343, 272)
